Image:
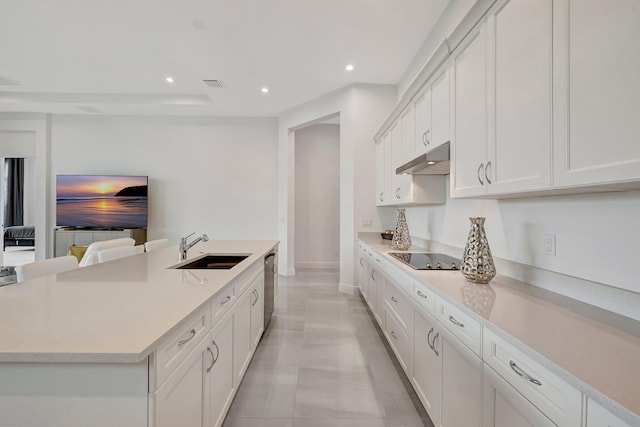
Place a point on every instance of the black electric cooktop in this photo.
(427, 261)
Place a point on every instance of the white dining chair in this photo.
(118, 252)
(91, 255)
(46, 266)
(152, 245)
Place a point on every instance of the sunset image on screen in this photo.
(101, 201)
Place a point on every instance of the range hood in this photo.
(433, 162)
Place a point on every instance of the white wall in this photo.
(597, 234)
(206, 175)
(362, 109)
(317, 196)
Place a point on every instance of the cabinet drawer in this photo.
(397, 338)
(461, 325)
(554, 397)
(424, 296)
(246, 278)
(175, 348)
(222, 302)
(399, 304)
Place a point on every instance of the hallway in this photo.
(323, 363)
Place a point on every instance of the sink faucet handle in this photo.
(186, 237)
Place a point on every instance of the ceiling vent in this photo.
(213, 83)
(4, 81)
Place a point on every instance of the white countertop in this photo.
(599, 350)
(114, 312)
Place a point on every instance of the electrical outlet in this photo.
(366, 222)
(549, 244)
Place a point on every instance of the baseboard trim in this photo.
(318, 265)
(346, 288)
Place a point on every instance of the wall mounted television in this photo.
(101, 201)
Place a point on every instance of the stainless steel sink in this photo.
(214, 262)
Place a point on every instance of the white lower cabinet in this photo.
(427, 365)
(597, 416)
(461, 383)
(220, 371)
(183, 398)
(503, 406)
(257, 311)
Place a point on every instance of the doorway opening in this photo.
(16, 210)
(317, 196)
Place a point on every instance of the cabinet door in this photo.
(380, 284)
(440, 119)
(597, 416)
(408, 124)
(221, 374)
(461, 383)
(520, 132)
(182, 399)
(388, 169)
(503, 406)
(380, 172)
(422, 109)
(242, 342)
(64, 239)
(597, 66)
(427, 365)
(401, 185)
(469, 115)
(257, 311)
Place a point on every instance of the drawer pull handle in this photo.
(255, 292)
(226, 300)
(373, 275)
(429, 338)
(215, 359)
(394, 299)
(433, 344)
(361, 264)
(422, 295)
(455, 322)
(186, 340)
(394, 335)
(523, 374)
(479, 178)
(212, 360)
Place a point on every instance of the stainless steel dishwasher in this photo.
(270, 282)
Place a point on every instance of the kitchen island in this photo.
(132, 342)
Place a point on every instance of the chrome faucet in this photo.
(184, 246)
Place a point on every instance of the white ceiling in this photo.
(112, 57)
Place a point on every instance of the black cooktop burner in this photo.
(427, 261)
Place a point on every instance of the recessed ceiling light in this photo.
(169, 79)
(349, 67)
(431, 162)
(265, 90)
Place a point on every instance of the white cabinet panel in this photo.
(503, 406)
(427, 365)
(520, 147)
(242, 342)
(221, 374)
(469, 115)
(597, 416)
(407, 123)
(597, 67)
(440, 107)
(257, 311)
(422, 108)
(181, 400)
(380, 172)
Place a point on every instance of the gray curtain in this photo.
(14, 192)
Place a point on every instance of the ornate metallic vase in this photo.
(401, 238)
(477, 262)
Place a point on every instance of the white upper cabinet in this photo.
(422, 108)
(597, 69)
(469, 115)
(502, 103)
(520, 133)
(408, 136)
(440, 121)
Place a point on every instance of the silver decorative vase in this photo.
(477, 262)
(401, 238)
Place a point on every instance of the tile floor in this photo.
(322, 362)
